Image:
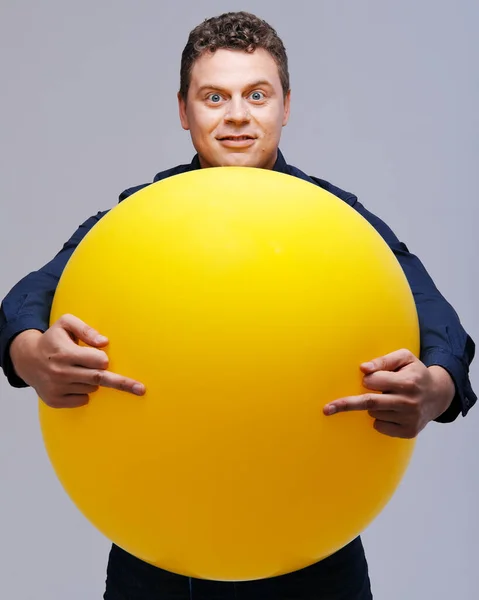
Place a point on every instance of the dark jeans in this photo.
(342, 576)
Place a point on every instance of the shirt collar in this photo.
(280, 165)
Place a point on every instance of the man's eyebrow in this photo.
(249, 86)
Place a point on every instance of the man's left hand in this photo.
(411, 394)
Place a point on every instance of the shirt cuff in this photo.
(7, 335)
(464, 398)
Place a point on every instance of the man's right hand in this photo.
(62, 372)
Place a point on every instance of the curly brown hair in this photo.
(232, 31)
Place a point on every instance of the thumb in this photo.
(78, 330)
(389, 362)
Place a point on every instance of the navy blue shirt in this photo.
(444, 341)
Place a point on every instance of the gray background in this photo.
(385, 98)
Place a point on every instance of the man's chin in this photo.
(237, 159)
(240, 159)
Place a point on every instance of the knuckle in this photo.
(370, 402)
(97, 377)
(124, 384)
(411, 384)
(87, 331)
(60, 353)
(413, 407)
(57, 353)
(53, 333)
(54, 368)
(65, 319)
(342, 405)
(104, 360)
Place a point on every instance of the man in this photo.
(234, 99)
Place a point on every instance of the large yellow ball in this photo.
(244, 300)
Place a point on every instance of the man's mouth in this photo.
(235, 138)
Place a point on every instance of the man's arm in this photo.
(444, 342)
(27, 305)
(411, 395)
(413, 392)
(49, 358)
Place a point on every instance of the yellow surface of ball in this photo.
(244, 300)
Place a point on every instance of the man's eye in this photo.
(257, 96)
(215, 98)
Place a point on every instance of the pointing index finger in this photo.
(363, 402)
(118, 382)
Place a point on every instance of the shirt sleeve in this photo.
(444, 342)
(28, 304)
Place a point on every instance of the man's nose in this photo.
(237, 111)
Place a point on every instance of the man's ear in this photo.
(182, 110)
(287, 107)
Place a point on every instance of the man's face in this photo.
(235, 109)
